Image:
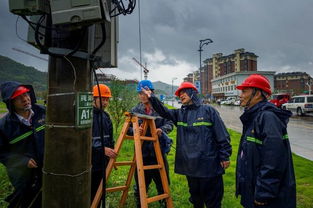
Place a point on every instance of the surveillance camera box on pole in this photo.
(76, 11)
(28, 7)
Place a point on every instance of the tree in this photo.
(124, 97)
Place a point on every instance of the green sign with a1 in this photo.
(84, 109)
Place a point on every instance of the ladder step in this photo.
(150, 167)
(147, 138)
(124, 163)
(129, 137)
(157, 198)
(117, 188)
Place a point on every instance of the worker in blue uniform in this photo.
(22, 143)
(203, 145)
(264, 173)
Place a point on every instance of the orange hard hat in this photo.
(185, 85)
(19, 91)
(104, 91)
(256, 81)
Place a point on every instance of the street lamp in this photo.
(203, 43)
(309, 85)
(174, 78)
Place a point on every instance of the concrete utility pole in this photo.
(66, 175)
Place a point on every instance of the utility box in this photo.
(28, 7)
(108, 52)
(76, 11)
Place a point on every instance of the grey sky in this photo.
(280, 32)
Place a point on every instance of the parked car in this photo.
(301, 104)
(237, 102)
(228, 101)
(279, 99)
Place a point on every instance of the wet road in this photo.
(300, 129)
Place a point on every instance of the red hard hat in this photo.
(19, 91)
(185, 85)
(257, 81)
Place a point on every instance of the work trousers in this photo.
(151, 175)
(96, 177)
(206, 191)
(29, 194)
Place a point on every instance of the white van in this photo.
(301, 104)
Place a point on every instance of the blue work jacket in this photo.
(265, 170)
(19, 142)
(107, 128)
(202, 139)
(161, 123)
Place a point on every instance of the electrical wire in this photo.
(101, 117)
(31, 24)
(103, 39)
(121, 9)
(42, 47)
(139, 33)
(82, 36)
(102, 143)
(16, 31)
(74, 71)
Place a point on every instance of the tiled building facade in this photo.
(219, 65)
(292, 82)
(225, 86)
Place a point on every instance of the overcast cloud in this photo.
(280, 32)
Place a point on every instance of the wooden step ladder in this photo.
(148, 121)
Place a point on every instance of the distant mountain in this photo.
(163, 88)
(11, 70)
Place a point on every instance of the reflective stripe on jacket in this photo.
(264, 164)
(19, 143)
(97, 152)
(202, 139)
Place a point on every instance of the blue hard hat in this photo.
(144, 84)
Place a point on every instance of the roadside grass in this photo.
(3, 108)
(5, 186)
(179, 187)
